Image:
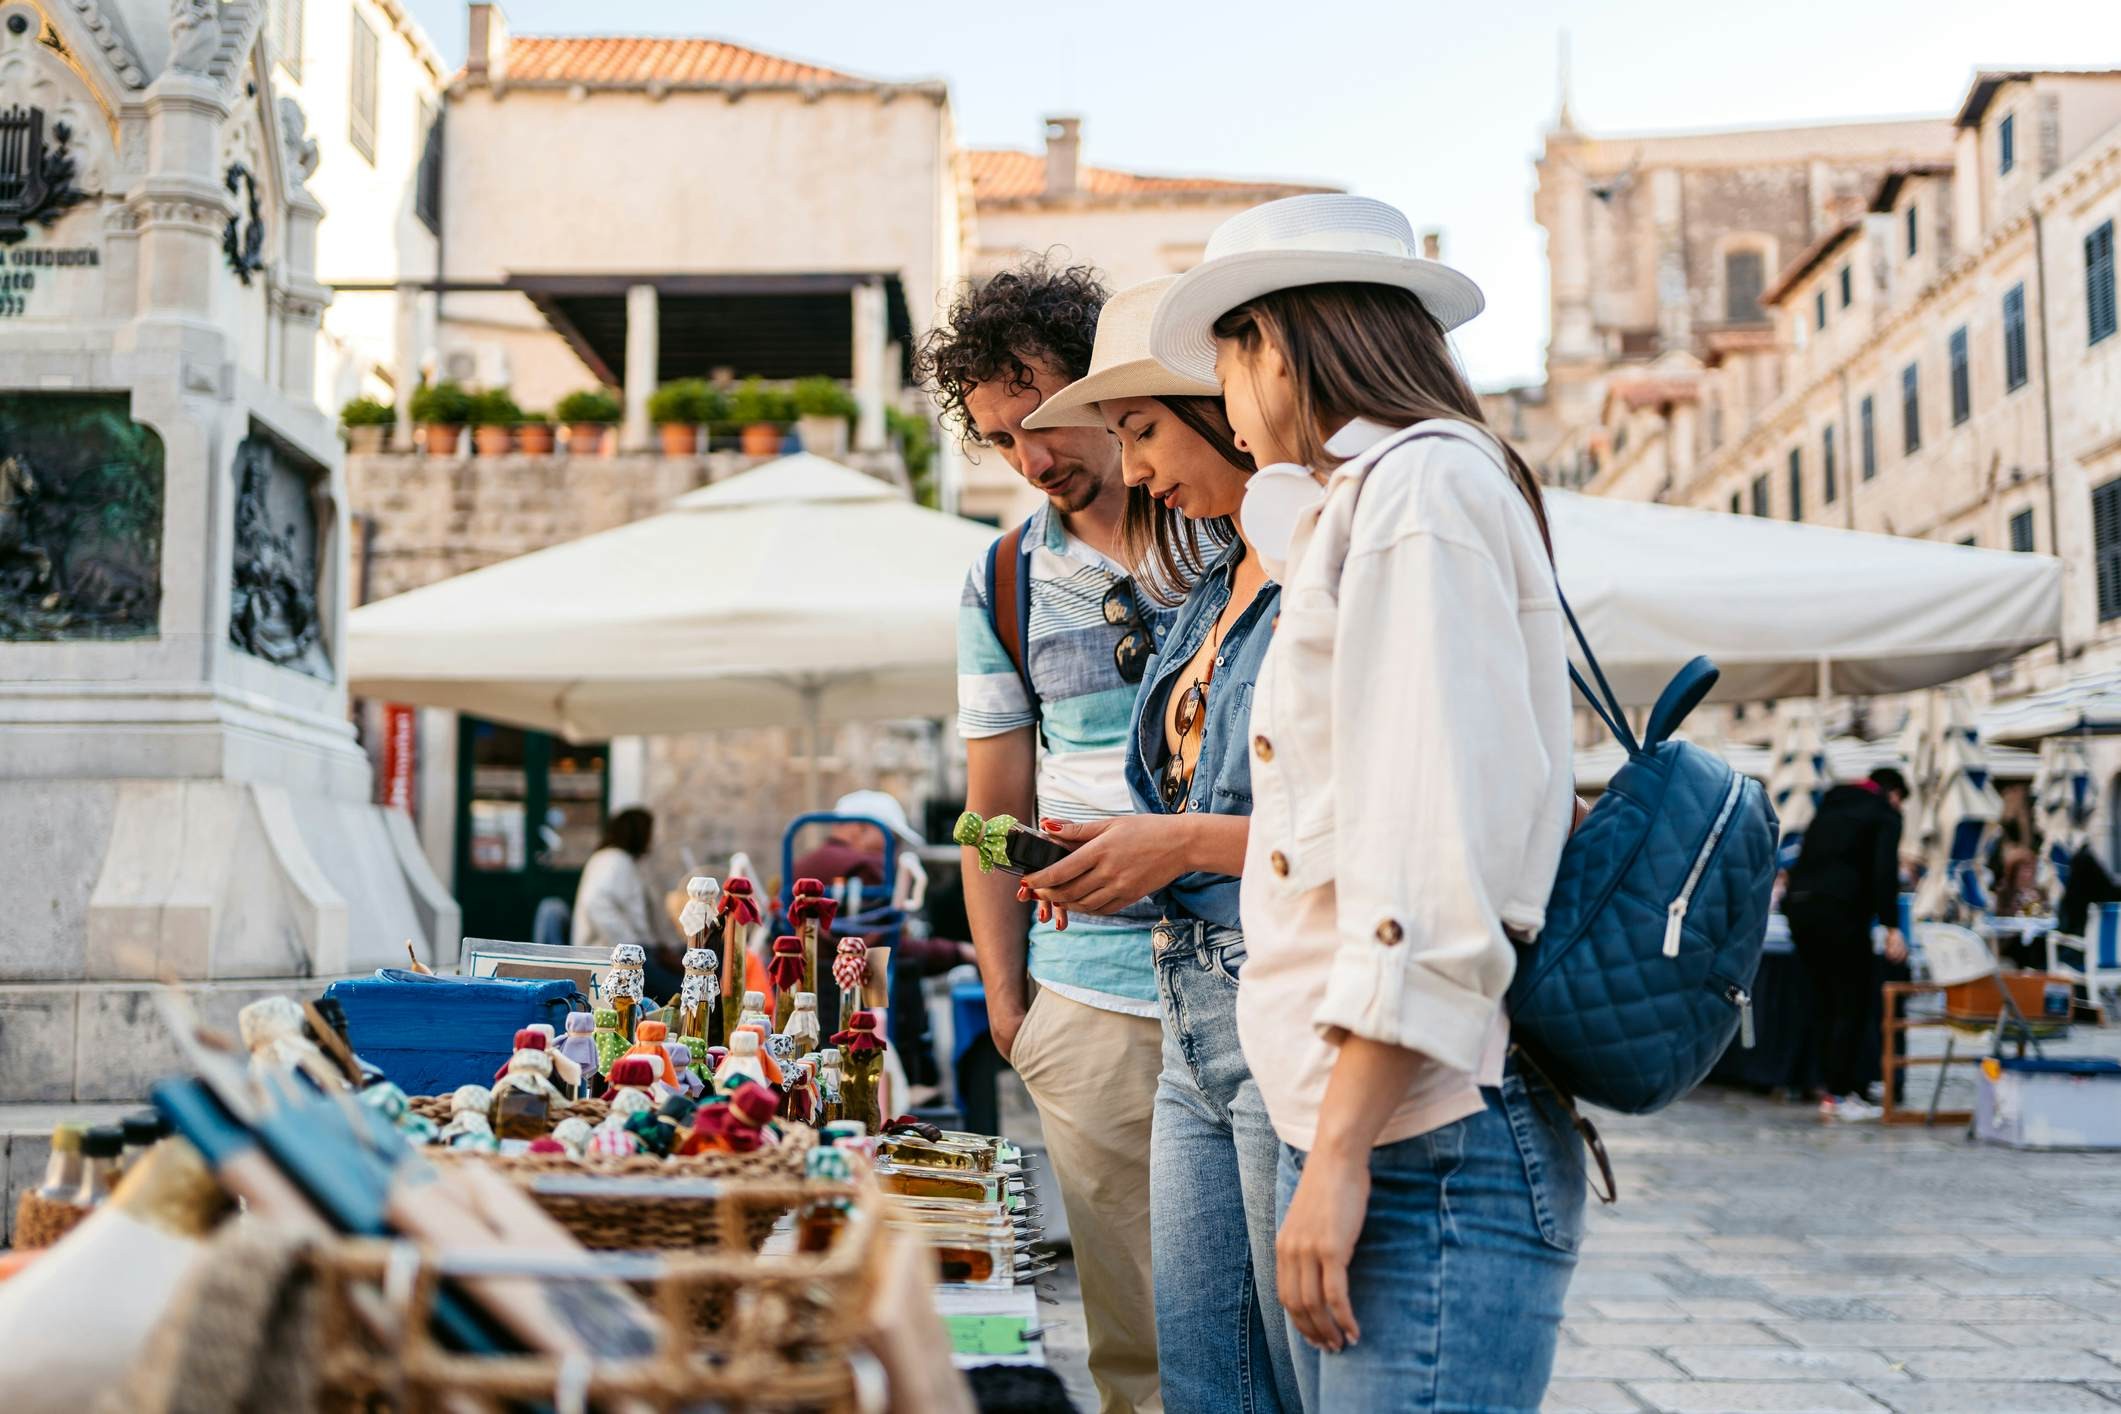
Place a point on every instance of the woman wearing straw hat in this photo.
(1213, 1154)
(1411, 794)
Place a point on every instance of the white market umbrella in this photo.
(1801, 773)
(1961, 806)
(800, 592)
(2065, 798)
(1788, 610)
(2089, 705)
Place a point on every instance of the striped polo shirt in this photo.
(1088, 711)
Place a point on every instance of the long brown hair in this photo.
(1161, 547)
(1366, 351)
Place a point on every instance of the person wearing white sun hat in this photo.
(1213, 1157)
(1411, 795)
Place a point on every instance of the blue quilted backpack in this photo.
(1644, 969)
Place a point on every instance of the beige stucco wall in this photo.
(1129, 243)
(369, 231)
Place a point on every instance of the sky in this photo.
(1436, 107)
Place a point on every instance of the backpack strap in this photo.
(1605, 703)
(1009, 603)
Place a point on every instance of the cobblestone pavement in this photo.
(1761, 1260)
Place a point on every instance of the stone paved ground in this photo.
(1760, 1260)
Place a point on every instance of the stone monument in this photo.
(182, 798)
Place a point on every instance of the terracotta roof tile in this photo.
(1007, 175)
(630, 60)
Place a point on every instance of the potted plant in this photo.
(494, 416)
(588, 415)
(915, 437)
(534, 434)
(680, 408)
(441, 410)
(822, 411)
(762, 413)
(367, 423)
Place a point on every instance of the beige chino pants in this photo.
(1092, 1074)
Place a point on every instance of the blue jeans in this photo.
(1220, 1337)
(1464, 1258)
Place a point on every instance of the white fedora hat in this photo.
(1300, 240)
(1120, 364)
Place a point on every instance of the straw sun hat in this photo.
(1120, 365)
(1299, 240)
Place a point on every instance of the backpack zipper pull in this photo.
(1674, 920)
(1743, 1000)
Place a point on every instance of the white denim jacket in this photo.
(1412, 776)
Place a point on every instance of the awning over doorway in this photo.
(769, 326)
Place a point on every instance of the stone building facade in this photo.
(1659, 248)
(1943, 364)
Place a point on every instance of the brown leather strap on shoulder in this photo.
(1002, 600)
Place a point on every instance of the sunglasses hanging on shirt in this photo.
(1136, 646)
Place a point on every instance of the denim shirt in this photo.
(1222, 778)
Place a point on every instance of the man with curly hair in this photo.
(1074, 1012)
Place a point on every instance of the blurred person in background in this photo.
(613, 904)
(1846, 878)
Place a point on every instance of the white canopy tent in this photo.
(801, 592)
(1789, 610)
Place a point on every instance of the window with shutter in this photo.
(1819, 309)
(2006, 144)
(1848, 286)
(1744, 277)
(2014, 338)
(2106, 547)
(1910, 411)
(361, 95)
(1760, 495)
(2099, 281)
(284, 30)
(1962, 379)
(1829, 489)
(2022, 532)
(427, 188)
(1914, 225)
(1796, 484)
(1867, 436)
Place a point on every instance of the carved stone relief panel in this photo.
(80, 518)
(275, 607)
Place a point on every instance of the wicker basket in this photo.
(645, 1220)
(784, 1335)
(40, 1222)
(436, 1108)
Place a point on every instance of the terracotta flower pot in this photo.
(586, 439)
(366, 441)
(439, 439)
(680, 439)
(535, 439)
(493, 441)
(761, 439)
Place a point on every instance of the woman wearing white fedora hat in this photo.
(1411, 795)
(1213, 1155)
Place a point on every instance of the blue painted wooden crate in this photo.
(431, 1034)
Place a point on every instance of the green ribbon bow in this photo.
(989, 837)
